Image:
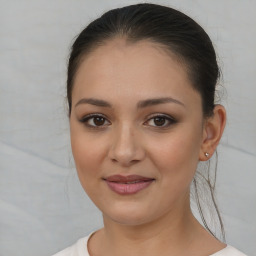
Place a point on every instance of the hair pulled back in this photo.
(172, 30)
(163, 25)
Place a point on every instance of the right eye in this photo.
(95, 121)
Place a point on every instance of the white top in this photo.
(80, 249)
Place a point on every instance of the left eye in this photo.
(160, 121)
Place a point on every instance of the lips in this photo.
(126, 185)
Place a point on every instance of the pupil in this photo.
(98, 121)
(159, 121)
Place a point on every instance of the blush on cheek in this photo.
(86, 172)
(88, 159)
(177, 157)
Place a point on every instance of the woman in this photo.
(141, 85)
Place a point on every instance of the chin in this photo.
(128, 220)
(128, 215)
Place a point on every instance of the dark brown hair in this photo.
(175, 32)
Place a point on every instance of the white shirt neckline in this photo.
(80, 248)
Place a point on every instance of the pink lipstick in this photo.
(127, 185)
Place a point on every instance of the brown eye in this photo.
(98, 121)
(159, 121)
(95, 121)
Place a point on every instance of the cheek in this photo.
(88, 155)
(176, 157)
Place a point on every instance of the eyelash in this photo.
(85, 120)
(167, 118)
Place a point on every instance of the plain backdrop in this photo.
(42, 207)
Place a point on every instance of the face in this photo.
(136, 131)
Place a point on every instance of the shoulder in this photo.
(77, 249)
(228, 251)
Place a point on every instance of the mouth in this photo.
(127, 185)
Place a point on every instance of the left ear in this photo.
(212, 132)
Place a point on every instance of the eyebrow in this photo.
(157, 101)
(140, 104)
(95, 102)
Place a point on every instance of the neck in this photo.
(172, 233)
(177, 223)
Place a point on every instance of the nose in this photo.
(126, 148)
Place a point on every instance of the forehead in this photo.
(143, 68)
(119, 52)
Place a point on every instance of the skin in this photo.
(158, 219)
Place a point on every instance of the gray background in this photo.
(43, 208)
